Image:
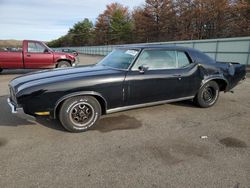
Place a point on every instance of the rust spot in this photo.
(233, 142)
(121, 122)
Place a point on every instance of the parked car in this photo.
(34, 55)
(128, 78)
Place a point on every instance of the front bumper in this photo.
(76, 62)
(18, 111)
(14, 109)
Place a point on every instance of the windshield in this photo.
(120, 58)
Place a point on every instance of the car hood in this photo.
(59, 75)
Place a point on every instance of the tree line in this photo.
(161, 20)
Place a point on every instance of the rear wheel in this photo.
(62, 64)
(1, 70)
(207, 95)
(78, 114)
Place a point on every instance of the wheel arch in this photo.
(223, 84)
(98, 96)
(221, 81)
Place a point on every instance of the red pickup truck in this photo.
(34, 55)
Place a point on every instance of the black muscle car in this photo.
(129, 77)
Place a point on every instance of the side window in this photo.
(157, 59)
(35, 47)
(182, 60)
(40, 48)
(31, 47)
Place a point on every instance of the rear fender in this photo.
(220, 79)
(209, 73)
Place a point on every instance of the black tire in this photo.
(208, 95)
(78, 114)
(62, 64)
(1, 70)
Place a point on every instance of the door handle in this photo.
(28, 55)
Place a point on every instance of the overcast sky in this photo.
(48, 19)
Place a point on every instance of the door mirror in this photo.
(46, 51)
(142, 69)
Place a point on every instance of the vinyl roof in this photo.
(156, 46)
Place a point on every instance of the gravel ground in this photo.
(158, 146)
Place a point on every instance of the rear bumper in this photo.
(242, 80)
(18, 111)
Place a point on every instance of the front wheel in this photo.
(78, 114)
(208, 95)
(63, 64)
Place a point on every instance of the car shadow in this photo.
(105, 124)
(114, 123)
(7, 118)
(187, 103)
(50, 123)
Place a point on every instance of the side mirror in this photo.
(142, 69)
(46, 51)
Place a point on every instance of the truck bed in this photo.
(11, 59)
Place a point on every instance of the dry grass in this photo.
(10, 43)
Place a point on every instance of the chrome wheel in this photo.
(81, 114)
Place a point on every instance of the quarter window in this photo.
(183, 60)
(35, 47)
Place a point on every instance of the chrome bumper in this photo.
(75, 63)
(14, 109)
(19, 111)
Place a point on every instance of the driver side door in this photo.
(37, 56)
(168, 75)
